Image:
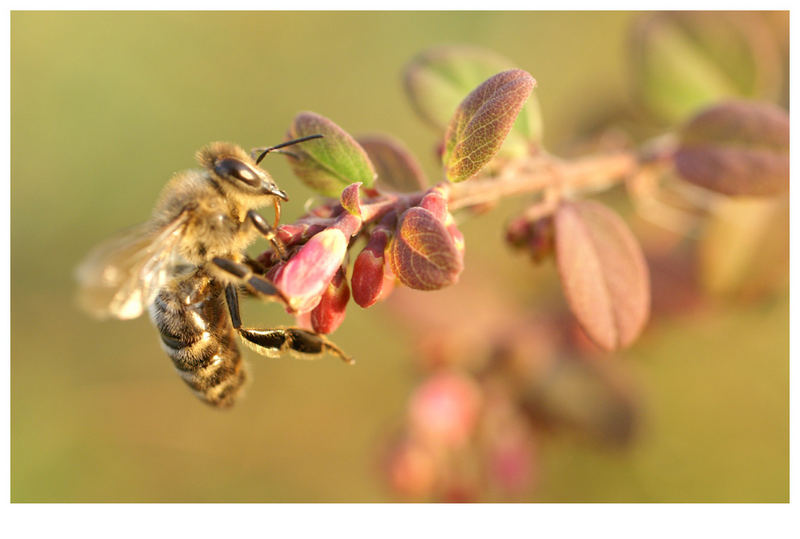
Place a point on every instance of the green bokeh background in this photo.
(105, 106)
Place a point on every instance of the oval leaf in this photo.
(482, 121)
(424, 255)
(331, 163)
(603, 273)
(438, 79)
(397, 169)
(684, 61)
(737, 148)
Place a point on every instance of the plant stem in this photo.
(537, 173)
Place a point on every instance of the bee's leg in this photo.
(300, 343)
(273, 342)
(255, 284)
(232, 298)
(269, 231)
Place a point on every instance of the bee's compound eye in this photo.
(233, 168)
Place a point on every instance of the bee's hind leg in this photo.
(273, 342)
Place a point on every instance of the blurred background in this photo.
(106, 106)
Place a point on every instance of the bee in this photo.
(187, 264)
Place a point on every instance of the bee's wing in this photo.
(122, 275)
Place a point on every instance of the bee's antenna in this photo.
(283, 144)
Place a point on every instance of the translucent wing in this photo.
(122, 275)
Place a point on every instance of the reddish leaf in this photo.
(737, 148)
(397, 169)
(603, 273)
(424, 254)
(437, 80)
(482, 121)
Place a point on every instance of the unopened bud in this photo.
(517, 232)
(435, 201)
(456, 235)
(297, 233)
(303, 320)
(510, 466)
(412, 470)
(351, 199)
(537, 237)
(348, 223)
(369, 275)
(444, 409)
(306, 275)
(329, 313)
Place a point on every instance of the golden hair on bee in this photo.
(208, 155)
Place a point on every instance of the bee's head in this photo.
(236, 171)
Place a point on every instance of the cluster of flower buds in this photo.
(492, 392)
(536, 236)
(412, 239)
(462, 440)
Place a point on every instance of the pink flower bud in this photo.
(537, 237)
(460, 493)
(518, 231)
(329, 313)
(348, 223)
(303, 320)
(388, 282)
(411, 470)
(541, 243)
(351, 199)
(424, 253)
(298, 232)
(369, 276)
(435, 201)
(510, 466)
(306, 275)
(444, 409)
(456, 235)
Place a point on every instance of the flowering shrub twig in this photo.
(471, 426)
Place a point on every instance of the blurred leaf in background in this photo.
(686, 60)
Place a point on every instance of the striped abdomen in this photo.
(196, 332)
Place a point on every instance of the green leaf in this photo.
(480, 125)
(438, 79)
(684, 61)
(738, 148)
(331, 163)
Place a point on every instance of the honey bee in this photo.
(187, 264)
